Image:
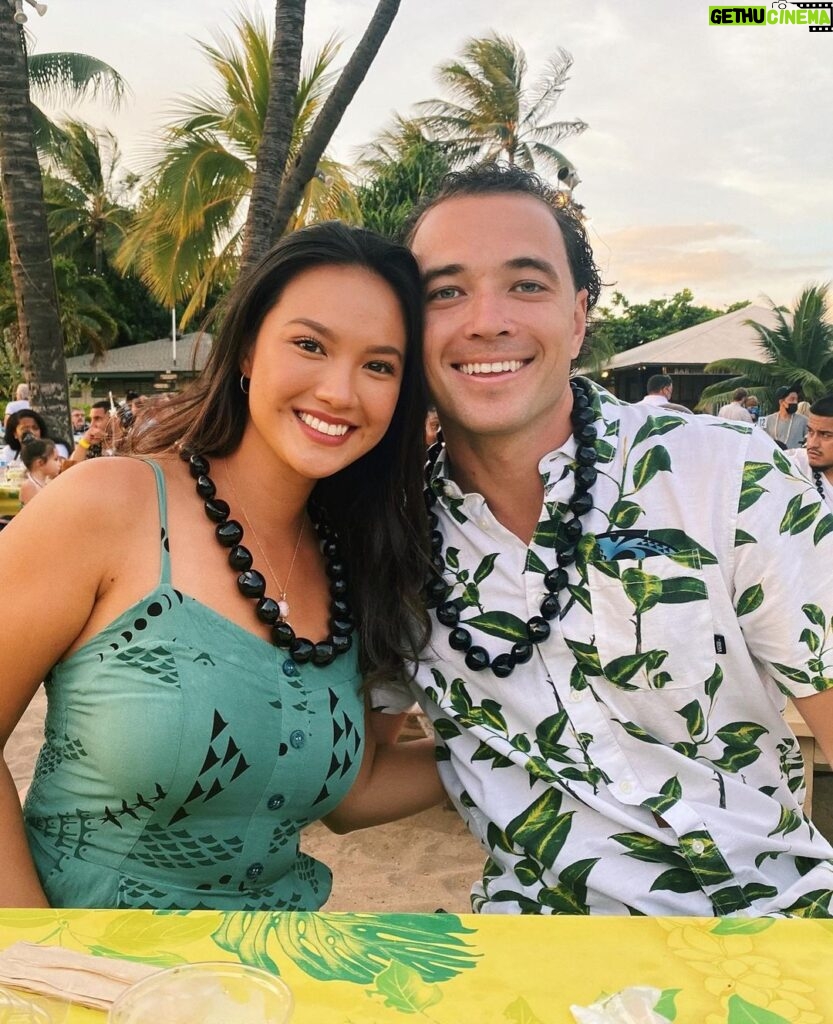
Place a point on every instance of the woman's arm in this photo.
(51, 561)
(394, 781)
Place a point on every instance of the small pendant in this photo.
(283, 608)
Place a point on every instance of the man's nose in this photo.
(487, 316)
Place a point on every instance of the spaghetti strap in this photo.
(162, 498)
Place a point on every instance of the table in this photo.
(9, 498)
(448, 969)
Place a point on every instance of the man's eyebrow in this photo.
(517, 263)
(449, 270)
(532, 263)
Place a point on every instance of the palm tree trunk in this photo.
(40, 339)
(312, 149)
(274, 145)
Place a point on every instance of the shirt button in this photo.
(698, 846)
(626, 786)
(290, 668)
(297, 739)
(576, 696)
(274, 803)
(254, 871)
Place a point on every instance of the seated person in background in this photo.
(42, 462)
(21, 424)
(102, 435)
(79, 424)
(752, 406)
(736, 409)
(786, 426)
(20, 401)
(815, 459)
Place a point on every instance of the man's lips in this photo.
(490, 368)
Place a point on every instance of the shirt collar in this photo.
(607, 411)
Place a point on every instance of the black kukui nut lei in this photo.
(252, 584)
(581, 502)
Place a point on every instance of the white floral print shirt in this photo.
(640, 763)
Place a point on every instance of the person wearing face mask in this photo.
(786, 427)
(753, 407)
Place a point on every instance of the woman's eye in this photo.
(380, 366)
(309, 345)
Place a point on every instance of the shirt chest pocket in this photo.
(652, 621)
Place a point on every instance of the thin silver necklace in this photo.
(283, 604)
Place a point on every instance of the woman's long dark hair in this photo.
(15, 418)
(375, 503)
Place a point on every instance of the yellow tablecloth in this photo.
(9, 499)
(445, 969)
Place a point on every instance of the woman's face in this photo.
(326, 369)
(26, 425)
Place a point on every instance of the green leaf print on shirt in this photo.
(655, 426)
(503, 625)
(823, 527)
(750, 599)
(797, 518)
(541, 830)
(655, 460)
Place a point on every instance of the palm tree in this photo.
(492, 115)
(401, 166)
(186, 240)
(86, 194)
(799, 349)
(38, 338)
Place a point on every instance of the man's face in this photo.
(78, 419)
(503, 318)
(788, 400)
(819, 442)
(99, 419)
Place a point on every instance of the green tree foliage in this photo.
(623, 325)
(799, 350)
(493, 114)
(187, 236)
(401, 167)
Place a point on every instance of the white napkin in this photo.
(95, 981)
(630, 1006)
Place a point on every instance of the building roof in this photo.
(725, 337)
(148, 357)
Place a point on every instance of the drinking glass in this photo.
(205, 993)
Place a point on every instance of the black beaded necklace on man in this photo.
(581, 502)
(252, 584)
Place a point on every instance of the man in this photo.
(815, 459)
(100, 437)
(622, 602)
(659, 389)
(786, 427)
(20, 401)
(736, 409)
(79, 423)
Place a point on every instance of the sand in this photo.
(420, 864)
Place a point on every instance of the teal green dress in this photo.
(182, 757)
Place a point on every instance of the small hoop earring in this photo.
(244, 383)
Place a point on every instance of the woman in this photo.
(20, 424)
(191, 729)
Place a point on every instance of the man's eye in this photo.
(529, 287)
(447, 292)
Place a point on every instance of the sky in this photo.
(707, 161)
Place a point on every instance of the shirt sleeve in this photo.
(783, 572)
(392, 696)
